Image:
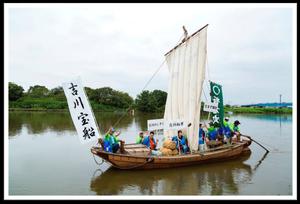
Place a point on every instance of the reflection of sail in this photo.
(141, 119)
(221, 178)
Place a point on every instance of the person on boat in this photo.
(151, 143)
(181, 142)
(220, 136)
(212, 132)
(235, 129)
(140, 138)
(111, 141)
(201, 138)
(227, 131)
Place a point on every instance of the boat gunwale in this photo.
(226, 149)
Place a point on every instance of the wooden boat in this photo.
(139, 156)
(186, 64)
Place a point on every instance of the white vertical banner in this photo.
(81, 111)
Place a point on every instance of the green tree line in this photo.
(103, 99)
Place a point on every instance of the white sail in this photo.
(186, 64)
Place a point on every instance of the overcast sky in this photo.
(122, 45)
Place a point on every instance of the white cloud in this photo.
(122, 45)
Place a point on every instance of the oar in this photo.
(255, 142)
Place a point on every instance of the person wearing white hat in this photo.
(227, 131)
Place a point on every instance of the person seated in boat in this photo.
(111, 141)
(212, 132)
(151, 143)
(220, 136)
(140, 138)
(181, 142)
(201, 138)
(235, 129)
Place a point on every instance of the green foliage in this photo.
(58, 93)
(38, 103)
(258, 110)
(151, 101)
(15, 91)
(40, 98)
(37, 91)
(108, 96)
(89, 91)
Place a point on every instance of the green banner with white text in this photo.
(217, 97)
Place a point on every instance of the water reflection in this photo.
(210, 179)
(141, 119)
(285, 118)
(39, 122)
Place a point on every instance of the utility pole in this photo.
(279, 100)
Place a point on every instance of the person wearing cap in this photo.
(226, 121)
(235, 129)
(140, 138)
(111, 142)
(227, 131)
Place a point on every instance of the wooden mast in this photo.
(187, 39)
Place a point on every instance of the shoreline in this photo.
(226, 110)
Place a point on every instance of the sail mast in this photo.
(187, 39)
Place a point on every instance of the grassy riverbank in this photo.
(52, 104)
(258, 110)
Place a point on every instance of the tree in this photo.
(37, 91)
(57, 93)
(160, 97)
(89, 91)
(15, 91)
(146, 102)
(109, 96)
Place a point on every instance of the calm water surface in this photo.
(47, 158)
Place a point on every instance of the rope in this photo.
(97, 162)
(157, 70)
(93, 177)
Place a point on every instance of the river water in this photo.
(47, 158)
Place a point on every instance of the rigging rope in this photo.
(123, 115)
(157, 70)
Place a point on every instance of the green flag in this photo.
(217, 97)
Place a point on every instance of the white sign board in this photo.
(81, 111)
(158, 124)
(155, 124)
(174, 125)
(210, 107)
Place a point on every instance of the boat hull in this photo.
(125, 161)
